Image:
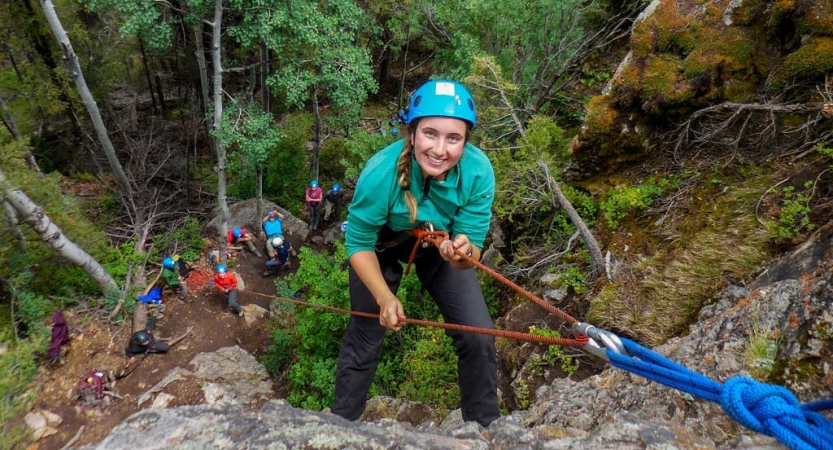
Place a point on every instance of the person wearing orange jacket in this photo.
(227, 282)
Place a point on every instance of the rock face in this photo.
(244, 215)
(789, 305)
(688, 55)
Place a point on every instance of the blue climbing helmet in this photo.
(336, 187)
(237, 233)
(169, 262)
(221, 268)
(313, 183)
(444, 98)
(343, 226)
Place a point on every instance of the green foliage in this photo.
(523, 196)
(826, 151)
(17, 369)
(794, 215)
(186, 241)
(574, 278)
(312, 382)
(317, 42)
(431, 370)
(625, 199)
(252, 137)
(359, 149)
(555, 355)
(279, 354)
(286, 173)
(761, 350)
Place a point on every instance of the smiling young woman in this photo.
(434, 174)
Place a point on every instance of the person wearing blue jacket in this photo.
(433, 175)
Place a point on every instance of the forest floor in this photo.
(95, 345)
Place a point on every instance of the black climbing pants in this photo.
(460, 300)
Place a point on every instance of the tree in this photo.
(37, 219)
(322, 58)
(133, 203)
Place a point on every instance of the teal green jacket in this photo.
(461, 204)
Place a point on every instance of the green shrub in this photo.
(625, 199)
(431, 370)
(17, 369)
(279, 354)
(794, 216)
(555, 355)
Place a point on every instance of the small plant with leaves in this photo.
(555, 355)
(794, 216)
(760, 352)
(625, 199)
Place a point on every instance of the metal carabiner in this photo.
(429, 227)
(600, 341)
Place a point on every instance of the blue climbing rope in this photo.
(764, 408)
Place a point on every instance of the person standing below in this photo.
(172, 279)
(227, 283)
(313, 197)
(60, 337)
(433, 175)
(331, 199)
(237, 237)
(272, 228)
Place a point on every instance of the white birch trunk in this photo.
(89, 102)
(218, 115)
(33, 215)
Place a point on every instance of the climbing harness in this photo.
(768, 409)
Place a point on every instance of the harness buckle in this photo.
(429, 227)
(600, 341)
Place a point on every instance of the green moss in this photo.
(600, 116)
(642, 40)
(813, 59)
(819, 19)
(732, 52)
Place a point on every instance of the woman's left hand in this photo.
(461, 243)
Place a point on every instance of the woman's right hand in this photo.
(391, 314)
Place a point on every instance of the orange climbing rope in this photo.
(426, 236)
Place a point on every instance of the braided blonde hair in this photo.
(403, 170)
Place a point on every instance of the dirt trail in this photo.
(96, 346)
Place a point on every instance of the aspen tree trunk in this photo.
(212, 143)
(575, 218)
(81, 84)
(264, 102)
(33, 215)
(218, 115)
(141, 223)
(316, 147)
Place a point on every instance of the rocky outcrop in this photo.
(789, 308)
(688, 55)
(244, 214)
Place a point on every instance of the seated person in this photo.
(227, 282)
(284, 248)
(172, 277)
(142, 342)
(238, 236)
(272, 227)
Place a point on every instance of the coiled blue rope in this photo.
(765, 408)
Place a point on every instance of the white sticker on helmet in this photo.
(444, 89)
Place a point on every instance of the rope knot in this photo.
(753, 404)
